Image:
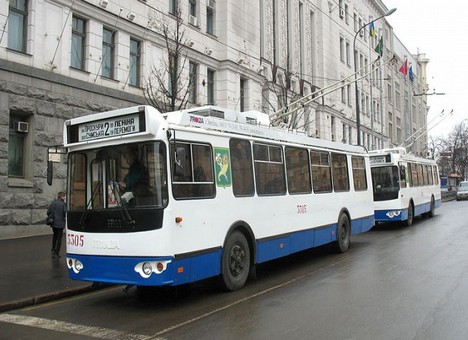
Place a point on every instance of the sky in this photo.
(439, 30)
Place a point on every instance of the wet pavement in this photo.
(29, 275)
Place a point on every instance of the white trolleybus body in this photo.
(218, 195)
(404, 185)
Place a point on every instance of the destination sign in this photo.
(377, 159)
(112, 127)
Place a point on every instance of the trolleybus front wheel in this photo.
(235, 262)
(409, 220)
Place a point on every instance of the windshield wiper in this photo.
(88, 205)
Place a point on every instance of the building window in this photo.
(210, 100)
(18, 134)
(346, 10)
(348, 54)
(242, 89)
(193, 9)
(134, 76)
(193, 76)
(343, 92)
(173, 6)
(210, 13)
(172, 74)
(17, 25)
(348, 92)
(78, 43)
(342, 50)
(108, 50)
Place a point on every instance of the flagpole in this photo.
(356, 88)
(372, 145)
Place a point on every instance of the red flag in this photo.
(404, 67)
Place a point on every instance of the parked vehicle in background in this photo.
(405, 186)
(464, 184)
(462, 193)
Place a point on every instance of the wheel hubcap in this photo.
(237, 264)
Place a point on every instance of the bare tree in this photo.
(454, 150)
(278, 93)
(167, 86)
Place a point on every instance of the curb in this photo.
(9, 306)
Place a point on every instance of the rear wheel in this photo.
(343, 234)
(235, 262)
(431, 212)
(409, 220)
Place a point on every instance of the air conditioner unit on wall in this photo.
(22, 127)
(192, 20)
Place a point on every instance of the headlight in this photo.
(392, 214)
(145, 269)
(74, 264)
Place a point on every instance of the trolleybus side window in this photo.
(269, 169)
(298, 171)
(430, 176)
(340, 172)
(359, 173)
(241, 167)
(414, 175)
(77, 190)
(436, 176)
(420, 174)
(97, 184)
(192, 171)
(321, 171)
(403, 175)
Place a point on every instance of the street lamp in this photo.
(358, 116)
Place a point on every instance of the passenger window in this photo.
(269, 169)
(298, 171)
(359, 173)
(192, 171)
(340, 172)
(241, 167)
(321, 171)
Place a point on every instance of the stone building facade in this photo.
(61, 59)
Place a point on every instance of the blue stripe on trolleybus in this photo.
(196, 266)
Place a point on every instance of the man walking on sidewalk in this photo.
(57, 212)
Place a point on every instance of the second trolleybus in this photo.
(404, 186)
(168, 199)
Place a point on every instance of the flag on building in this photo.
(411, 74)
(404, 67)
(372, 29)
(379, 47)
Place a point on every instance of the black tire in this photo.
(235, 262)
(431, 212)
(343, 235)
(410, 219)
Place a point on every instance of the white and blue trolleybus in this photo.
(404, 185)
(168, 199)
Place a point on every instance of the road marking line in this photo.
(70, 328)
(220, 309)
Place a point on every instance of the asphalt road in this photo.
(395, 282)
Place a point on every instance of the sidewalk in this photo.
(29, 275)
